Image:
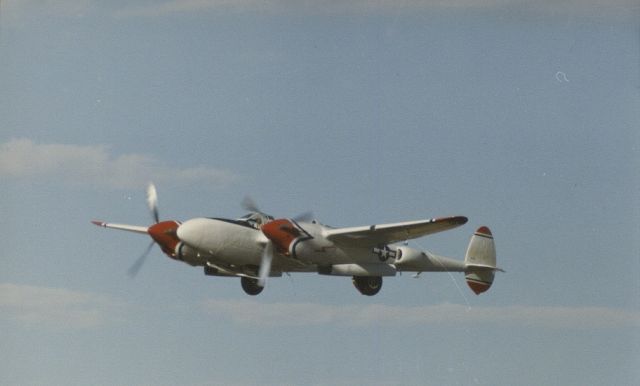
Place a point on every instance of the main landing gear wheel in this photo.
(250, 286)
(368, 285)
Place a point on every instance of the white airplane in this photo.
(257, 246)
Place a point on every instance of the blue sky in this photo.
(523, 117)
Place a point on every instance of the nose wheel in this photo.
(250, 286)
(368, 285)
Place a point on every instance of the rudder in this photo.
(480, 261)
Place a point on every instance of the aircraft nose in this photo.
(164, 233)
(191, 232)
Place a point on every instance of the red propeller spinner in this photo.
(165, 234)
(282, 233)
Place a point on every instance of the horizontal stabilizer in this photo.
(481, 267)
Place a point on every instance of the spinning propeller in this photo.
(152, 202)
(162, 233)
(271, 228)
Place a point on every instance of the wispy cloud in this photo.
(164, 8)
(13, 10)
(95, 165)
(320, 6)
(22, 10)
(56, 307)
(309, 314)
(550, 7)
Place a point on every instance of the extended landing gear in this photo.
(368, 285)
(250, 286)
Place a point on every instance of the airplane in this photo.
(258, 246)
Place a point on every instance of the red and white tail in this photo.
(480, 261)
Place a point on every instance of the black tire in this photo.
(250, 286)
(368, 285)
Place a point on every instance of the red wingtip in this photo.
(98, 223)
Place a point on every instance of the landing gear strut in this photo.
(368, 285)
(250, 286)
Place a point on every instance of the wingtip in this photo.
(98, 223)
(455, 220)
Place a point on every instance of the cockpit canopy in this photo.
(256, 219)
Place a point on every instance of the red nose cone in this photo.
(164, 233)
(282, 233)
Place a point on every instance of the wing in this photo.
(122, 227)
(392, 233)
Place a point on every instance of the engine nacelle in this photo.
(411, 259)
(185, 253)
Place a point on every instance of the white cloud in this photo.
(57, 308)
(193, 6)
(94, 165)
(595, 8)
(309, 314)
(15, 10)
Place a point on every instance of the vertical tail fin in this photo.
(480, 261)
